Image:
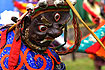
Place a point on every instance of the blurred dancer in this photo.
(94, 13)
(102, 4)
(98, 61)
(93, 9)
(21, 5)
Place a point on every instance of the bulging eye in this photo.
(57, 17)
(42, 28)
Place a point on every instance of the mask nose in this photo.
(54, 32)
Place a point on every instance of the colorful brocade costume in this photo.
(28, 59)
(90, 45)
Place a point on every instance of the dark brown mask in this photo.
(41, 30)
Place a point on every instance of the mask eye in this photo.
(57, 17)
(42, 28)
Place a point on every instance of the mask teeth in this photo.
(43, 41)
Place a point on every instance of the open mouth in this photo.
(42, 43)
(47, 39)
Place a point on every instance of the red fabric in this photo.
(88, 10)
(95, 47)
(97, 3)
(11, 68)
(104, 9)
(3, 38)
(19, 5)
(14, 54)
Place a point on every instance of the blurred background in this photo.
(73, 61)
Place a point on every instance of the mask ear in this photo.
(17, 33)
(27, 21)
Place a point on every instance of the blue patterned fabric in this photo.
(28, 59)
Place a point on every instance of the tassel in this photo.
(14, 54)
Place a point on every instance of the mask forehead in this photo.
(52, 8)
(56, 16)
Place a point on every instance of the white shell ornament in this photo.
(43, 3)
(58, 2)
(30, 6)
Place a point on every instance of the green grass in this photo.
(80, 64)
